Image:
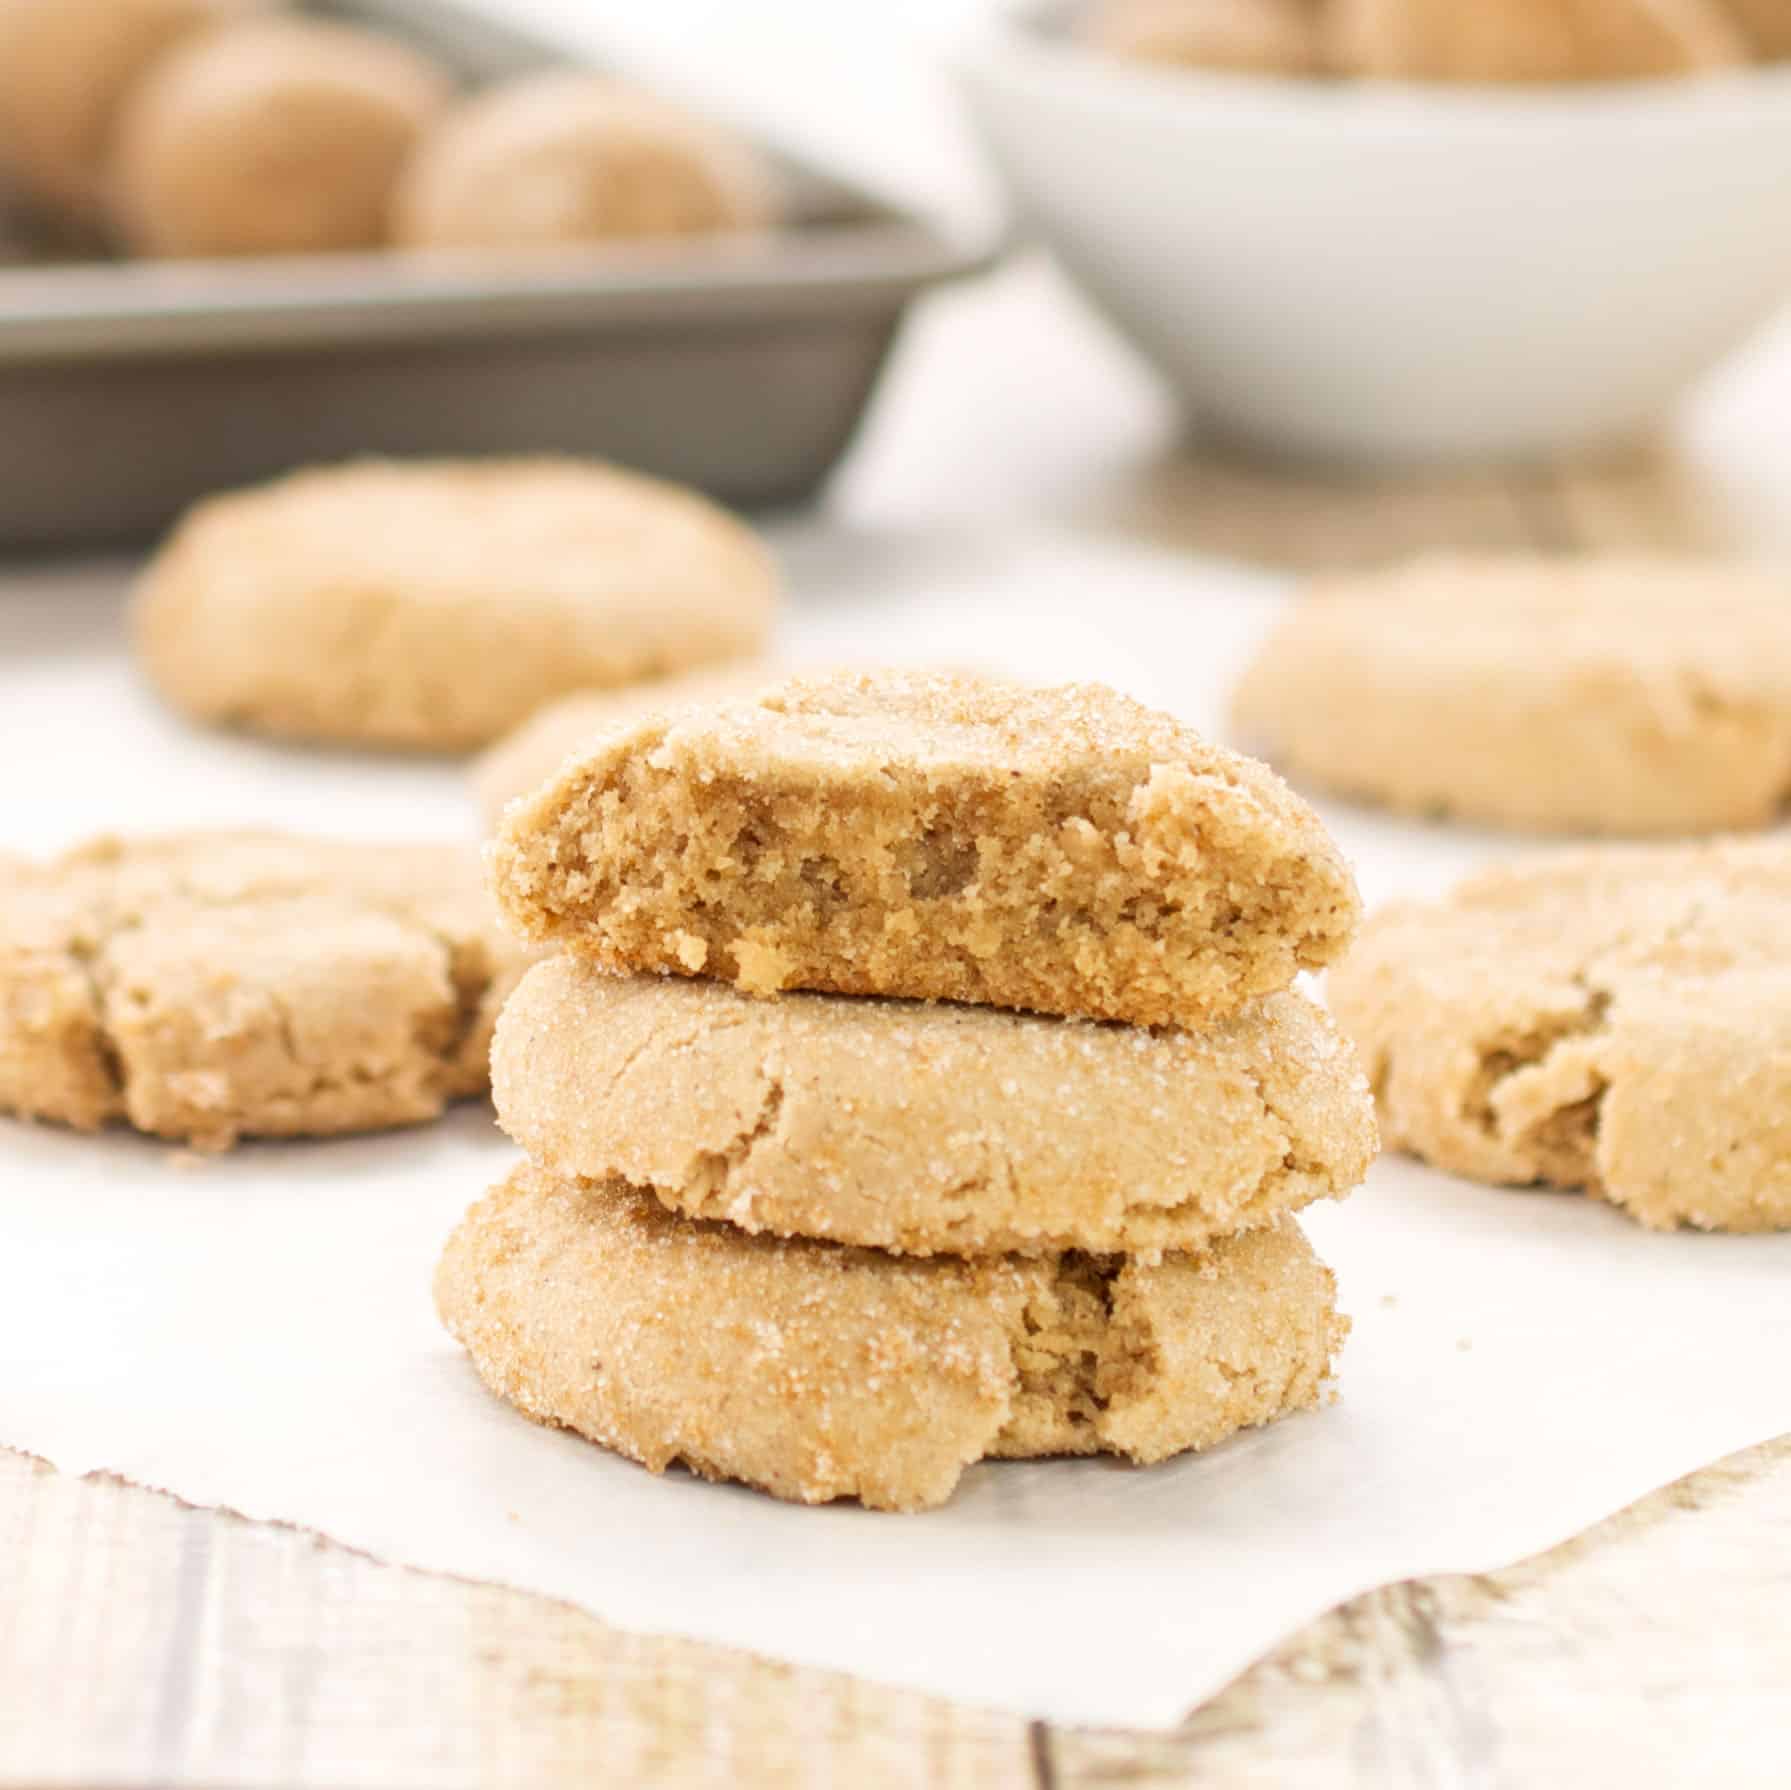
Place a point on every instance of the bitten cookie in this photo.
(1601, 696)
(66, 69)
(277, 136)
(1617, 1019)
(1532, 40)
(1063, 850)
(434, 604)
(818, 1372)
(527, 756)
(1267, 37)
(208, 986)
(566, 157)
(929, 1128)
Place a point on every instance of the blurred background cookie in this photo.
(1270, 37)
(1608, 695)
(568, 156)
(435, 604)
(1531, 40)
(276, 136)
(66, 69)
(1767, 23)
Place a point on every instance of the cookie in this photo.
(820, 1372)
(209, 986)
(567, 157)
(1265, 37)
(1767, 24)
(1616, 1019)
(929, 1128)
(931, 836)
(1531, 40)
(278, 136)
(434, 604)
(66, 69)
(528, 755)
(1622, 696)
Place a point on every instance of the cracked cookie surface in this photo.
(817, 1372)
(1616, 1019)
(920, 1128)
(934, 837)
(1620, 696)
(207, 986)
(434, 605)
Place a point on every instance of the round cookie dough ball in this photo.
(1266, 37)
(1531, 40)
(568, 157)
(66, 68)
(434, 604)
(279, 136)
(1623, 696)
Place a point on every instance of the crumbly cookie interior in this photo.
(1062, 897)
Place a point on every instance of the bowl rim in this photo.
(1009, 43)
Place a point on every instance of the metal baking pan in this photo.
(127, 390)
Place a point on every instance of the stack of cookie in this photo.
(1033, 1196)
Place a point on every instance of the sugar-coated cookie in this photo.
(435, 604)
(567, 156)
(1611, 695)
(934, 836)
(819, 1372)
(1531, 40)
(1616, 1018)
(275, 136)
(929, 1128)
(208, 986)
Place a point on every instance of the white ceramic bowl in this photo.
(1379, 272)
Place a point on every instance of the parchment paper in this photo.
(255, 1331)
